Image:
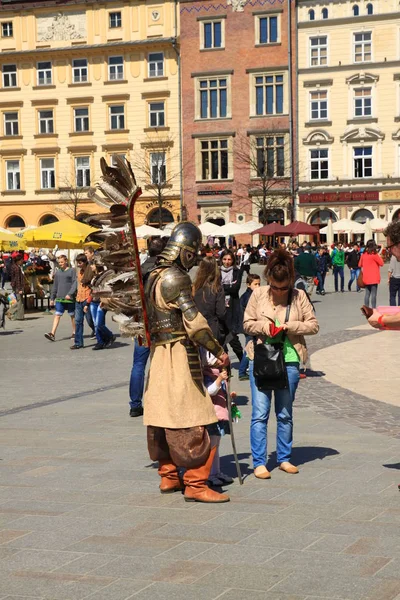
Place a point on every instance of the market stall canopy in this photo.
(231, 228)
(271, 229)
(166, 232)
(345, 226)
(9, 241)
(208, 228)
(300, 228)
(250, 226)
(66, 233)
(379, 224)
(146, 231)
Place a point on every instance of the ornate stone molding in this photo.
(361, 134)
(317, 137)
(361, 78)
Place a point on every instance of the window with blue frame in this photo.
(212, 34)
(213, 98)
(268, 30)
(269, 94)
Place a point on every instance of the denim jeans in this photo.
(321, 282)
(371, 292)
(261, 405)
(354, 273)
(136, 384)
(103, 334)
(244, 363)
(394, 290)
(338, 271)
(79, 319)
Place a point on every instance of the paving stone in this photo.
(205, 533)
(295, 540)
(122, 589)
(246, 576)
(235, 594)
(35, 560)
(162, 591)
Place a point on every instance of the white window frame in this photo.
(269, 80)
(116, 71)
(157, 113)
(117, 16)
(47, 174)
(203, 36)
(205, 86)
(82, 171)
(319, 160)
(78, 71)
(258, 19)
(82, 119)
(46, 122)
(155, 66)
(158, 160)
(363, 46)
(13, 123)
(221, 145)
(14, 182)
(363, 160)
(10, 79)
(318, 102)
(44, 73)
(118, 117)
(322, 51)
(362, 100)
(7, 29)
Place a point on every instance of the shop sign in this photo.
(393, 195)
(214, 192)
(330, 198)
(155, 204)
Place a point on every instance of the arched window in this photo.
(311, 15)
(159, 218)
(272, 216)
(321, 217)
(356, 10)
(370, 9)
(15, 222)
(47, 219)
(361, 216)
(220, 222)
(324, 13)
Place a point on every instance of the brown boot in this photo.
(170, 481)
(196, 488)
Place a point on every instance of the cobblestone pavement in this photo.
(81, 516)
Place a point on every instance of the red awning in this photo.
(299, 228)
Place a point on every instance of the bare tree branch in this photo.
(71, 197)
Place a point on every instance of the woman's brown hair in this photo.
(280, 267)
(208, 275)
(370, 247)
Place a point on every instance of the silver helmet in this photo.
(183, 245)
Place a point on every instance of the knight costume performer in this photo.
(178, 411)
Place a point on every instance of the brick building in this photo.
(237, 88)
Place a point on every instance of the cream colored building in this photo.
(78, 82)
(349, 109)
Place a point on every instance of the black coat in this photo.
(233, 312)
(212, 307)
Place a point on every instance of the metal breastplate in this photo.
(166, 326)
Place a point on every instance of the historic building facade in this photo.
(80, 81)
(349, 110)
(237, 91)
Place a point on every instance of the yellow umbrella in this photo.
(66, 233)
(9, 241)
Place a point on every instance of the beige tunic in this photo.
(172, 400)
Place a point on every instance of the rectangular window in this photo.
(115, 68)
(115, 19)
(319, 51)
(81, 119)
(363, 102)
(212, 34)
(82, 171)
(362, 46)
(269, 94)
(268, 30)
(80, 70)
(44, 73)
(156, 114)
(117, 117)
(46, 121)
(156, 64)
(319, 105)
(11, 126)
(113, 161)
(9, 75)
(319, 166)
(362, 158)
(47, 174)
(213, 98)
(13, 175)
(270, 156)
(214, 159)
(7, 29)
(157, 166)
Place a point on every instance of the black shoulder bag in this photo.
(269, 363)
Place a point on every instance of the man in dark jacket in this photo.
(141, 353)
(352, 260)
(231, 279)
(322, 258)
(306, 265)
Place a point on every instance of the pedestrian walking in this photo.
(231, 279)
(105, 338)
(371, 263)
(16, 312)
(322, 259)
(84, 277)
(394, 281)
(277, 305)
(338, 259)
(63, 295)
(352, 260)
(253, 282)
(306, 265)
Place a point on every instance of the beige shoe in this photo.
(288, 468)
(262, 473)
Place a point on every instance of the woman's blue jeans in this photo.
(103, 334)
(261, 406)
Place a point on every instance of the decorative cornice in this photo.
(317, 83)
(11, 103)
(350, 20)
(156, 94)
(389, 64)
(116, 147)
(362, 134)
(215, 135)
(318, 123)
(81, 100)
(268, 69)
(318, 136)
(209, 18)
(362, 121)
(115, 97)
(361, 77)
(268, 132)
(212, 73)
(80, 149)
(50, 102)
